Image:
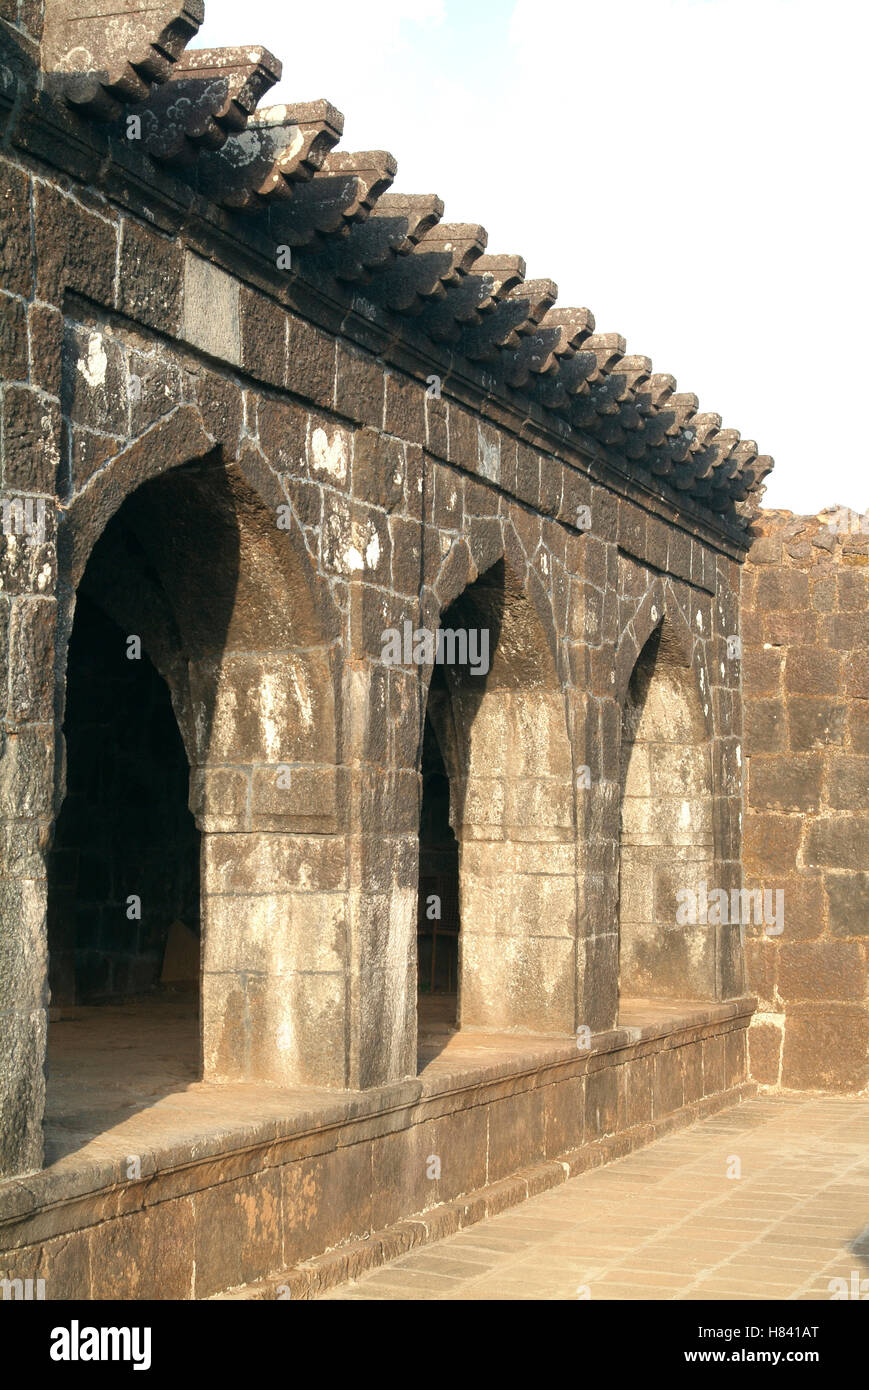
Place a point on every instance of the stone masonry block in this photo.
(211, 315)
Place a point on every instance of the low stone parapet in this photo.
(246, 1181)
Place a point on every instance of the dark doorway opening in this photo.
(123, 915)
(438, 906)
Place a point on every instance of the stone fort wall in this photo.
(260, 410)
(805, 626)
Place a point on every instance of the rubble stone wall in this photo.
(805, 623)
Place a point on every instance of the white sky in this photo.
(693, 171)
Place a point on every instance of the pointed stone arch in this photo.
(504, 740)
(657, 605)
(667, 844)
(188, 556)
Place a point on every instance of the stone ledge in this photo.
(226, 1199)
(302, 1123)
(307, 1280)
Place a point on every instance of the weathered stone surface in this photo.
(770, 843)
(94, 392)
(22, 1080)
(359, 387)
(45, 325)
(786, 783)
(326, 1200)
(713, 1065)
(31, 656)
(848, 786)
(63, 1265)
(840, 843)
(211, 314)
(13, 339)
(221, 406)
(88, 56)
(150, 278)
(825, 1048)
(16, 255)
(242, 487)
(378, 469)
(811, 721)
(761, 670)
(310, 362)
(782, 588)
(821, 970)
(766, 730)
(264, 338)
(31, 440)
(668, 1094)
(848, 897)
(516, 1132)
(815, 723)
(404, 411)
(764, 1052)
(75, 248)
(601, 1103)
(242, 1217)
(810, 671)
(148, 1253)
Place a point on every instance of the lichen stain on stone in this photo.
(303, 1205)
(93, 367)
(329, 456)
(303, 698)
(364, 550)
(269, 716)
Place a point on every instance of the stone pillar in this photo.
(805, 624)
(596, 792)
(27, 610)
(274, 876)
(381, 734)
(30, 433)
(273, 918)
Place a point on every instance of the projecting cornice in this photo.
(279, 173)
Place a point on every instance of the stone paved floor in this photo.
(668, 1223)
